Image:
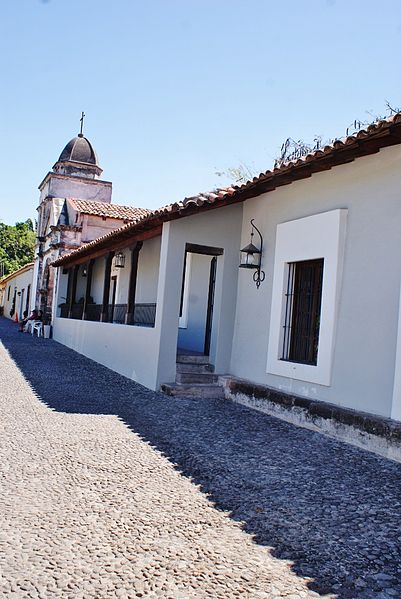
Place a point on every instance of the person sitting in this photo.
(23, 325)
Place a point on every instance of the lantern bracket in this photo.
(253, 257)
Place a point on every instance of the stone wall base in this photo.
(373, 433)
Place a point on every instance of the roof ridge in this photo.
(370, 129)
(74, 199)
(15, 272)
(235, 192)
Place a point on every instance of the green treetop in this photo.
(16, 246)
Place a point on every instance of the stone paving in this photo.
(110, 490)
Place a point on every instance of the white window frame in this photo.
(318, 236)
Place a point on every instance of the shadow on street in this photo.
(330, 508)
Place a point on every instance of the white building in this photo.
(319, 341)
(15, 292)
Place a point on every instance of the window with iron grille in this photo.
(302, 311)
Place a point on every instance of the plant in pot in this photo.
(46, 320)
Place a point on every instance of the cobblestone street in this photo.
(111, 490)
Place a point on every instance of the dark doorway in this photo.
(197, 299)
(28, 297)
(21, 310)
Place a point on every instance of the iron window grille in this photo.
(303, 298)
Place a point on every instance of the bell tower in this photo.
(76, 174)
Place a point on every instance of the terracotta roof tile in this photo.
(108, 210)
(373, 130)
(381, 133)
(149, 216)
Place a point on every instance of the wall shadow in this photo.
(332, 509)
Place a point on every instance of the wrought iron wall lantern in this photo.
(119, 260)
(84, 271)
(251, 257)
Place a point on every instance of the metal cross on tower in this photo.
(82, 123)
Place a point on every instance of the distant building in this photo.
(15, 292)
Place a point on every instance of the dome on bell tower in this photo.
(79, 149)
(78, 159)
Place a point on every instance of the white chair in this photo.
(38, 327)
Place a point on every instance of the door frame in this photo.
(214, 252)
(210, 305)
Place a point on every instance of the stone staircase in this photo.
(195, 378)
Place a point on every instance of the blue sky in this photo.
(175, 90)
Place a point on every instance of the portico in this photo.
(120, 298)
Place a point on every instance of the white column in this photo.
(168, 302)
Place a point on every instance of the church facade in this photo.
(74, 208)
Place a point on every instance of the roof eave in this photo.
(371, 141)
(339, 153)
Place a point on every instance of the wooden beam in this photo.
(206, 250)
(130, 315)
(69, 287)
(88, 287)
(395, 131)
(106, 287)
(73, 290)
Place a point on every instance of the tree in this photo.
(17, 245)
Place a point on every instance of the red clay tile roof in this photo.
(146, 222)
(380, 134)
(108, 210)
(17, 272)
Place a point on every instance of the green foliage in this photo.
(238, 174)
(16, 246)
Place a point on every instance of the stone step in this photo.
(196, 391)
(184, 359)
(196, 368)
(196, 377)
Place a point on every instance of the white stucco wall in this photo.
(129, 350)
(192, 336)
(74, 187)
(98, 280)
(367, 316)
(122, 275)
(94, 227)
(148, 271)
